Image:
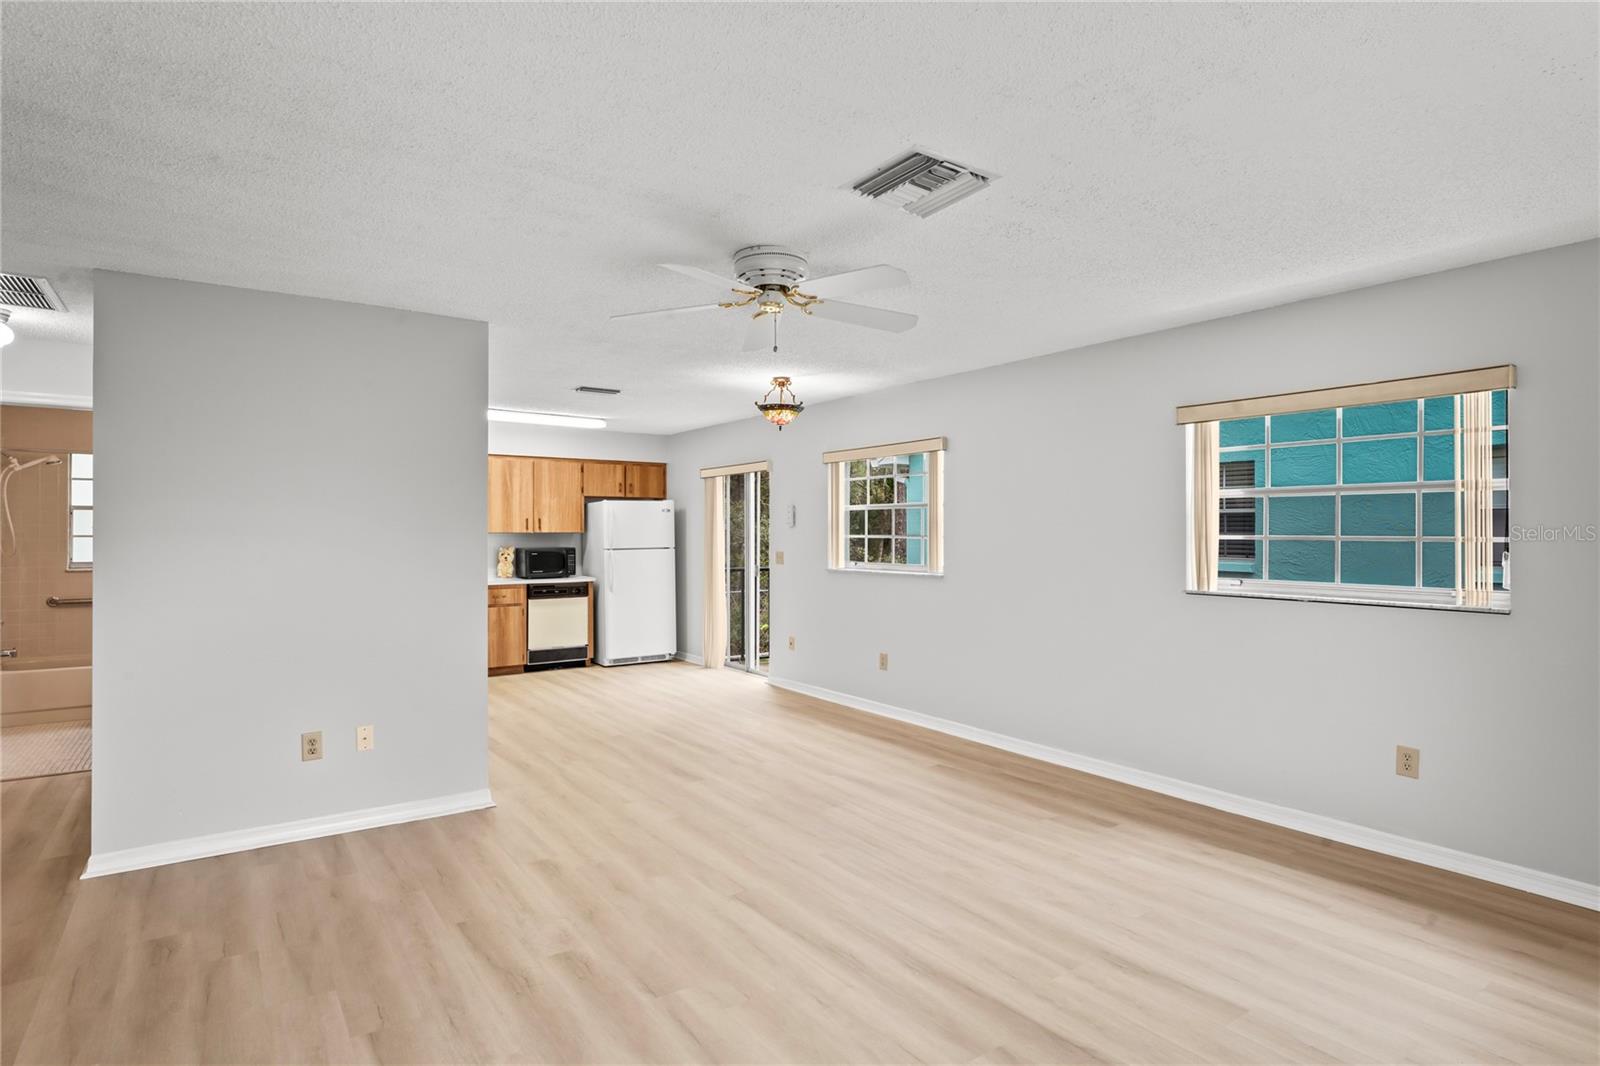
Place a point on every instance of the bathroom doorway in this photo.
(46, 590)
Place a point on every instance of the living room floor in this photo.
(690, 865)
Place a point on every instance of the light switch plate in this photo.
(777, 558)
(363, 738)
(791, 644)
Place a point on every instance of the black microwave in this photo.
(547, 562)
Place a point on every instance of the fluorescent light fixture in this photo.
(538, 418)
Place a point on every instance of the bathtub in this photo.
(44, 694)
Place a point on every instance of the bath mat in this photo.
(42, 750)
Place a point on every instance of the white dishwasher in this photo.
(558, 624)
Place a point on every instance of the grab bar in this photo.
(76, 601)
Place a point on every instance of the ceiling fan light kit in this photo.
(770, 279)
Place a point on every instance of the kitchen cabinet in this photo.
(645, 481)
(510, 494)
(508, 628)
(535, 494)
(603, 479)
(557, 495)
(509, 620)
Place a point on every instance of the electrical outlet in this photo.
(363, 738)
(883, 660)
(310, 746)
(1407, 761)
(791, 644)
(777, 558)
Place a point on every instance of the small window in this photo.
(80, 519)
(886, 509)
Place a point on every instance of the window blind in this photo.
(734, 468)
(878, 451)
(1484, 379)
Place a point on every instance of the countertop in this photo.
(578, 579)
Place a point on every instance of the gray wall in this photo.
(290, 502)
(513, 438)
(1061, 619)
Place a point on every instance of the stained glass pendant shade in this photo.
(782, 411)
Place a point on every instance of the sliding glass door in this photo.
(749, 574)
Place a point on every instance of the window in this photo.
(886, 507)
(1355, 502)
(80, 519)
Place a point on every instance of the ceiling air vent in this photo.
(921, 184)
(598, 390)
(18, 291)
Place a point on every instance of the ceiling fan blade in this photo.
(706, 276)
(758, 334)
(881, 276)
(667, 311)
(860, 315)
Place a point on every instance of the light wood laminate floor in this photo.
(687, 865)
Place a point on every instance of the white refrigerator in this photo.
(628, 550)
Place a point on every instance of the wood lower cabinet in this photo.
(603, 479)
(510, 494)
(558, 496)
(645, 481)
(508, 628)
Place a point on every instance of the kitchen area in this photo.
(581, 563)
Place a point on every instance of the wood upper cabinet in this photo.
(645, 481)
(508, 627)
(532, 494)
(510, 494)
(557, 496)
(602, 478)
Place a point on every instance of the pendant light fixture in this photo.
(782, 411)
(787, 406)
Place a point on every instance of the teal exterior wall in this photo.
(1309, 449)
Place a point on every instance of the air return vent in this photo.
(921, 184)
(598, 390)
(19, 291)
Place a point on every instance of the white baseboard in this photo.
(47, 399)
(116, 862)
(1553, 886)
(690, 657)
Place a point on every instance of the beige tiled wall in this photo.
(35, 566)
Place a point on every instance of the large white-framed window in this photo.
(886, 507)
(80, 515)
(1401, 501)
(1361, 498)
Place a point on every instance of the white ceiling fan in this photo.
(771, 279)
